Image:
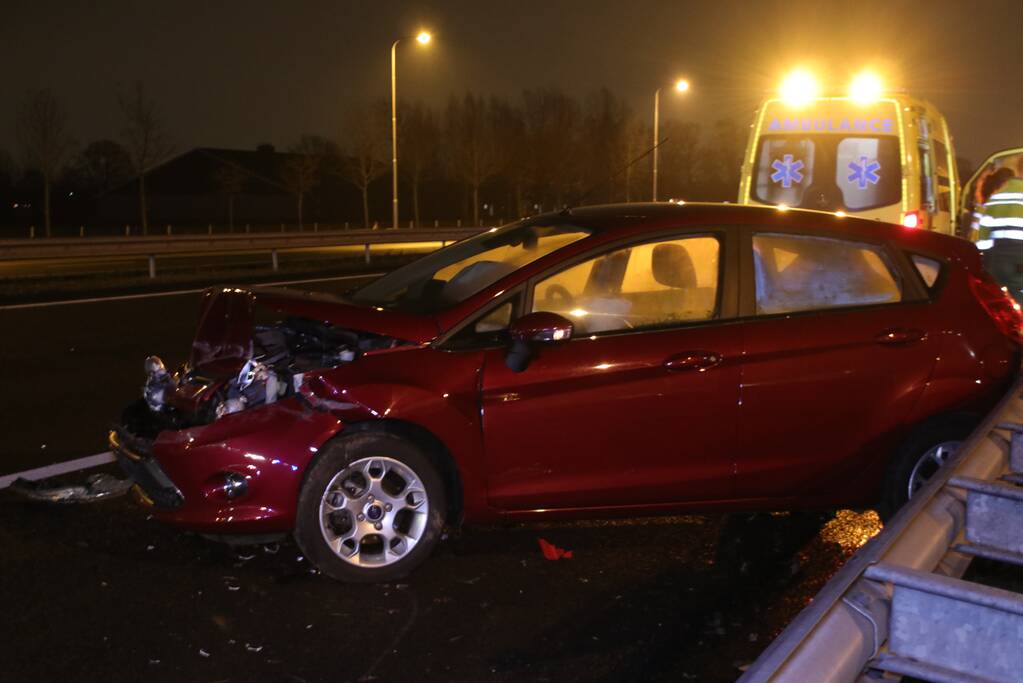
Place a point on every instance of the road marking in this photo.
(58, 468)
(177, 292)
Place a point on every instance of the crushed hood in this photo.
(227, 321)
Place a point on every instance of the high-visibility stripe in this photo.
(1007, 222)
(1004, 202)
(1007, 234)
(985, 244)
(1007, 195)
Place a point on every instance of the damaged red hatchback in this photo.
(634, 359)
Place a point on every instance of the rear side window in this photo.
(928, 268)
(802, 273)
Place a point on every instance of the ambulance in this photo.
(872, 154)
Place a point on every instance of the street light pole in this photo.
(423, 38)
(657, 117)
(394, 134)
(681, 85)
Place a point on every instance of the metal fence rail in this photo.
(898, 606)
(159, 245)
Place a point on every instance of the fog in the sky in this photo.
(235, 74)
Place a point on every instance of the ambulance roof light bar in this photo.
(799, 88)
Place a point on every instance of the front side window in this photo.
(452, 275)
(828, 172)
(802, 273)
(644, 286)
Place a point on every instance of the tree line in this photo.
(542, 150)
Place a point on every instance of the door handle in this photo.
(900, 335)
(692, 360)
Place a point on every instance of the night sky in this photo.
(235, 74)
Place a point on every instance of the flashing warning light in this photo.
(911, 219)
(799, 88)
(424, 37)
(866, 88)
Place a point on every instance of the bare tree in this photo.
(418, 140)
(230, 178)
(365, 157)
(146, 138)
(45, 140)
(301, 170)
(604, 126)
(101, 166)
(470, 143)
(510, 131)
(552, 133)
(680, 167)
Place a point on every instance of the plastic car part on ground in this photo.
(553, 552)
(97, 487)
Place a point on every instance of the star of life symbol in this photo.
(787, 171)
(864, 173)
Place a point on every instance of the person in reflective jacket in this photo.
(1001, 230)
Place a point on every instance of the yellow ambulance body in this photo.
(890, 158)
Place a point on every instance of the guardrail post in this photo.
(365, 251)
(152, 267)
(436, 223)
(273, 256)
(32, 232)
(209, 228)
(81, 231)
(169, 230)
(443, 243)
(246, 228)
(282, 227)
(411, 224)
(459, 223)
(346, 225)
(316, 227)
(127, 230)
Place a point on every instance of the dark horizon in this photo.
(243, 74)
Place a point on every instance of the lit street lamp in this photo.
(423, 38)
(681, 85)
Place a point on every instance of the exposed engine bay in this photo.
(280, 356)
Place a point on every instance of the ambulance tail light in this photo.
(911, 219)
(1004, 310)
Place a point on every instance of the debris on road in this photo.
(97, 487)
(553, 552)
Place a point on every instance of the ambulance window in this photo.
(784, 170)
(868, 173)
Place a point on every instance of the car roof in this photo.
(612, 220)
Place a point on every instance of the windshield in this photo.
(452, 275)
(828, 172)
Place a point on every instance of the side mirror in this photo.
(535, 328)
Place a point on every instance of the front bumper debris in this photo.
(97, 487)
(152, 485)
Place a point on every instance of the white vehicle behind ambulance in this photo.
(870, 154)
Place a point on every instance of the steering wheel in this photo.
(558, 297)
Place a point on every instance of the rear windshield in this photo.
(451, 275)
(828, 172)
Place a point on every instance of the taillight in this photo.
(1003, 309)
(911, 219)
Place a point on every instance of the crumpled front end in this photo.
(220, 446)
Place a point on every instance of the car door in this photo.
(838, 345)
(640, 406)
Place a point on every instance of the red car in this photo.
(619, 360)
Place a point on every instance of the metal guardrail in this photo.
(160, 245)
(899, 605)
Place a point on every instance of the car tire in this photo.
(371, 508)
(918, 458)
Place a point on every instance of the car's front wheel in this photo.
(371, 508)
